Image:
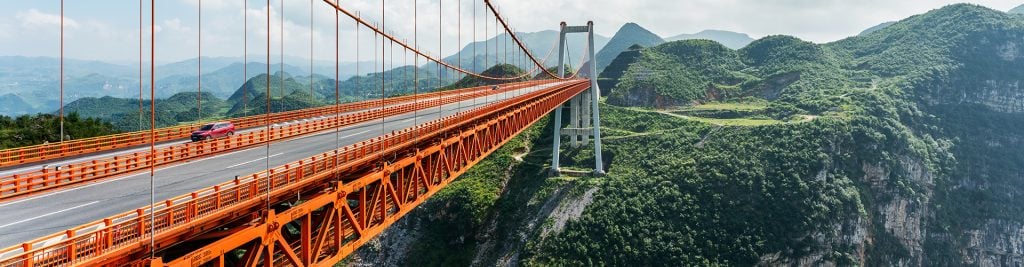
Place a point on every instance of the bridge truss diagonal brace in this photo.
(584, 113)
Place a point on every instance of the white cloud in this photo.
(34, 18)
(175, 25)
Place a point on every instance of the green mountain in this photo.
(729, 39)
(13, 104)
(295, 94)
(1017, 10)
(123, 113)
(609, 78)
(189, 67)
(628, 35)
(222, 82)
(876, 28)
(502, 70)
(899, 147)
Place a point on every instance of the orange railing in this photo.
(42, 152)
(47, 179)
(100, 242)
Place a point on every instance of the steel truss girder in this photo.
(338, 219)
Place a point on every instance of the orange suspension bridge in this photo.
(304, 187)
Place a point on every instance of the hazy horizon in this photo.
(116, 26)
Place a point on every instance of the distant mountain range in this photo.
(32, 81)
(29, 84)
(729, 39)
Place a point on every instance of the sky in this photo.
(109, 30)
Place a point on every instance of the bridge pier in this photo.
(584, 116)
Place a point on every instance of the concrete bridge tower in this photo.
(584, 115)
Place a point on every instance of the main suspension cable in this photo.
(516, 39)
(425, 55)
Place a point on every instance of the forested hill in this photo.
(900, 147)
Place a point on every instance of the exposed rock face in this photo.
(389, 249)
(644, 97)
(977, 82)
(1003, 96)
(895, 218)
(568, 209)
(998, 95)
(773, 86)
(998, 243)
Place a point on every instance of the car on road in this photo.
(213, 130)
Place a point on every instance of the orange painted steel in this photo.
(42, 180)
(340, 216)
(43, 152)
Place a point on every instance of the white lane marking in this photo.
(48, 214)
(255, 160)
(351, 135)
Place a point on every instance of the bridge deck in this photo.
(53, 212)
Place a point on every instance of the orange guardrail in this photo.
(42, 152)
(112, 240)
(35, 181)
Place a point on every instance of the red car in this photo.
(214, 130)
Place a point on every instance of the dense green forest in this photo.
(28, 130)
(898, 147)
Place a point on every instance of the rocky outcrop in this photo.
(773, 86)
(643, 97)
